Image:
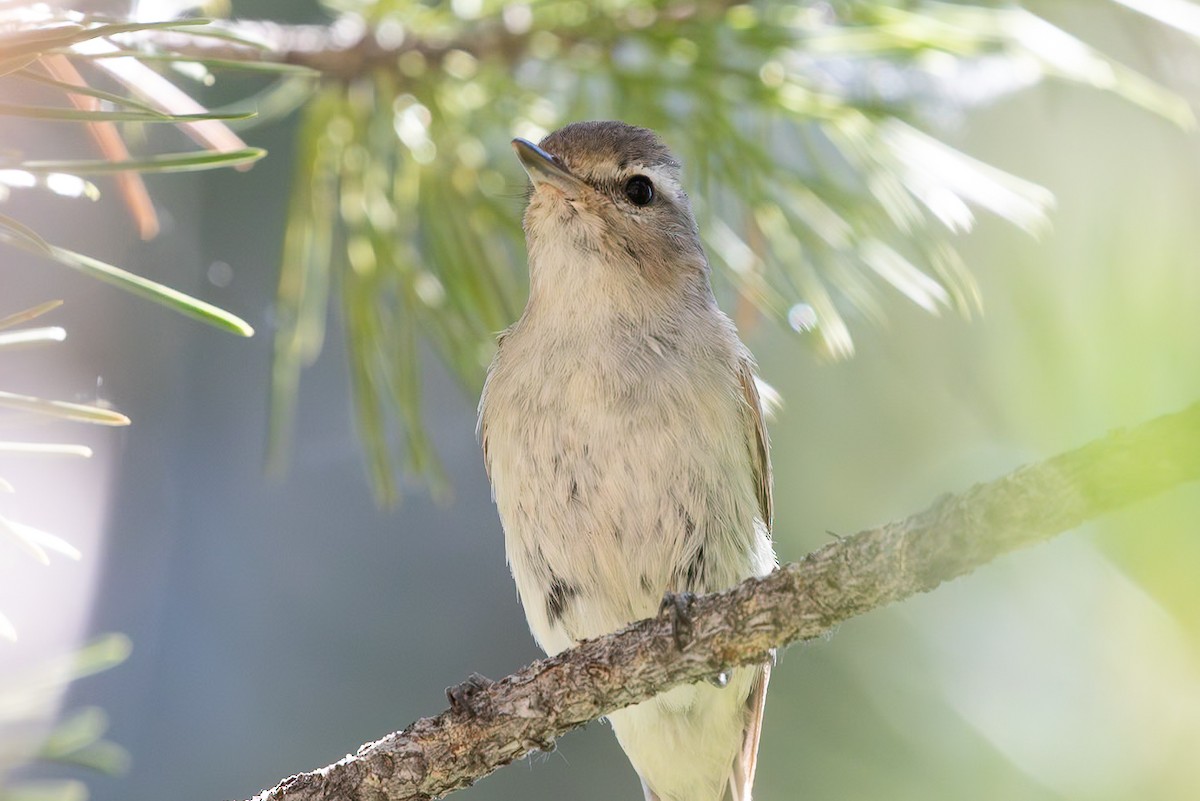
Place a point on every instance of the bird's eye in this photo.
(639, 190)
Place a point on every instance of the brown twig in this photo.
(108, 139)
(527, 710)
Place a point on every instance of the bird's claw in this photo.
(546, 746)
(678, 607)
(464, 697)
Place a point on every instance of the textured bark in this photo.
(529, 709)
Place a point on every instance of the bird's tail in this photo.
(741, 779)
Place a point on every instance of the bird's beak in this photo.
(543, 168)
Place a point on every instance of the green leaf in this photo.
(79, 740)
(82, 728)
(1066, 56)
(167, 162)
(29, 314)
(15, 63)
(60, 183)
(30, 237)
(152, 290)
(46, 790)
(304, 274)
(17, 43)
(87, 91)
(269, 67)
(46, 449)
(78, 412)
(38, 542)
(273, 103)
(52, 113)
(105, 652)
(104, 756)
(213, 32)
(143, 287)
(249, 65)
(25, 337)
(32, 42)
(904, 276)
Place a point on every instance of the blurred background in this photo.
(277, 622)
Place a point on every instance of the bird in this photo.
(622, 430)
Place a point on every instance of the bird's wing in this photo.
(741, 780)
(481, 431)
(481, 427)
(756, 440)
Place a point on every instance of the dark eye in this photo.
(639, 190)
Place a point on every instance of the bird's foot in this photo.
(546, 746)
(464, 698)
(677, 606)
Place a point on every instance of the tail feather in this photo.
(741, 779)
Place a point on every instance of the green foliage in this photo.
(28, 701)
(801, 126)
(60, 56)
(78, 739)
(40, 544)
(40, 49)
(45, 49)
(53, 59)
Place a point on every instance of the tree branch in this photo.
(529, 709)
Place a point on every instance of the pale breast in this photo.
(619, 472)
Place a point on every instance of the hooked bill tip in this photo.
(542, 167)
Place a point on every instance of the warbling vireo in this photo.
(623, 435)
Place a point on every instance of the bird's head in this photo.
(606, 198)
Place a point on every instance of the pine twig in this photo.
(505, 720)
(346, 49)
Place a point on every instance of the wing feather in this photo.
(741, 779)
(756, 440)
(481, 426)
